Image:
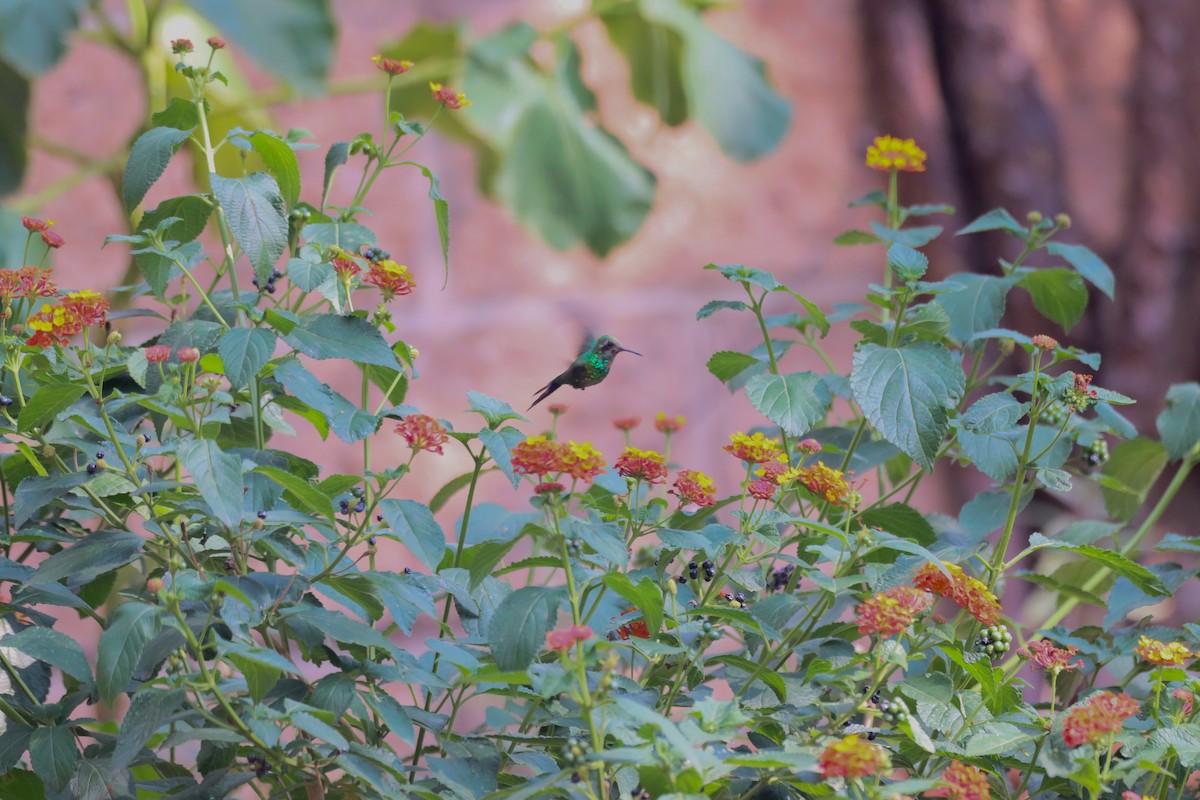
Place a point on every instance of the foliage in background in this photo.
(540, 148)
(636, 631)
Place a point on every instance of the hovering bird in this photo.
(589, 368)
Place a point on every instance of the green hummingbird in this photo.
(589, 368)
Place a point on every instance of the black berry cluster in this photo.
(781, 577)
(269, 287)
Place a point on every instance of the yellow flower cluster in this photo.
(1164, 654)
(755, 449)
(891, 153)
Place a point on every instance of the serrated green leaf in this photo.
(257, 219)
(494, 412)
(244, 352)
(795, 402)
(908, 264)
(1059, 295)
(122, 643)
(901, 520)
(1179, 422)
(500, 444)
(52, 647)
(977, 308)
(518, 629)
(1141, 577)
(993, 413)
(280, 161)
(996, 219)
(728, 364)
(645, 595)
(150, 709)
(53, 754)
(299, 492)
(349, 422)
(46, 403)
(90, 557)
(907, 393)
(713, 306)
(218, 478)
(148, 160)
(413, 524)
(191, 212)
(855, 237)
(325, 336)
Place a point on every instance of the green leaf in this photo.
(89, 558)
(260, 678)
(1086, 263)
(180, 114)
(148, 160)
(1132, 469)
(337, 626)
(1179, 422)
(291, 39)
(482, 558)
(14, 125)
(855, 237)
(655, 56)
(150, 709)
(53, 754)
(53, 647)
(713, 306)
(256, 216)
(519, 626)
(977, 307)
(448, 490)
(993, 413)
(907, 393)
(33, 33)
(995, 220)
(348, 422)
(335, 157)
(218, 479)
(324, 336)
(727, 364)
(122, 643)
(244, 352)
(992, 454)
(727, 89)
(645, 596)
(561, 174)
(739, 273)
(901, 520)
(795, 402)
(500, 444)
(300, 493)
(192, 212)
(413, 524)
(46, 403)
(315, 727)
(441, 214)
(493, 411)
(908, 264)
(1059, 294)
(280, 161)
(1138, 575)
(36, 492)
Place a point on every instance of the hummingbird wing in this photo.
(586, 343)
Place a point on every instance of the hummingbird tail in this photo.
(546, 391)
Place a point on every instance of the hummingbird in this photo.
(589, 368)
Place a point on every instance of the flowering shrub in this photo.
(637, 630)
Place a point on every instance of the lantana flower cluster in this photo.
(1098, 718)
(890, 613)
(966, 592)
(541, 456)
(69, 315)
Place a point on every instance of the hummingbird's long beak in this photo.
(627, 350)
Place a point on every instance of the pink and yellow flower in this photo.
(695, 487)
(645, 465)
(852, 758)
(966, 592)
(961, 781)
(890, 613)
(1163, 654)
(1099, 717)
(423, 432)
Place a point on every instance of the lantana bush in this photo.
(626, 628)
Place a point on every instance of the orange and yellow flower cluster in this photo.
(1098, 718)
(852, 758)
(888, 153)
(961, 781)
(645, 465)
(57, 323)
(423, 432)
(890, 613)
(538, 455)
(966, 592)
(1043, 653)
(1163, 654)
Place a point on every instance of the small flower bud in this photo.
(1062, 220)
(1045, 342)
(1034, 217)
(154, 585)
(188, 354)
(114, 338)
(216, 43)
(181, 46)
(1006, 347)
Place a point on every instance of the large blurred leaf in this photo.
(1132, 469)
(684, 69)
(562, 175)
(14, 121)
(254, 209)
(907, 392)
(292, 39)
(977, 307)
(33, 32)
